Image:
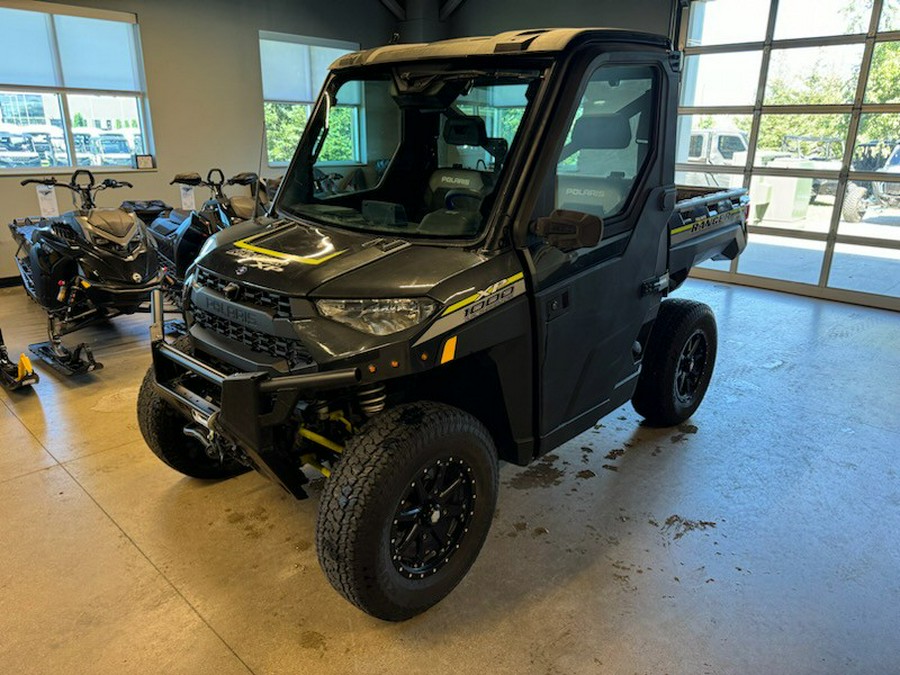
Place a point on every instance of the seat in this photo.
(599, 196)
(243, 206)
(444, 181)
(606, 151)
(166, 226)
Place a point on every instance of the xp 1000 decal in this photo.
(475, 305)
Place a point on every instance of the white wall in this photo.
(201, 59)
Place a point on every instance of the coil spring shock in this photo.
(371, 399)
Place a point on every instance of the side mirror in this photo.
(569, 230)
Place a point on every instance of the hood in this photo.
(302, 259)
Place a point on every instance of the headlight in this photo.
(208, 246)
(379, 317)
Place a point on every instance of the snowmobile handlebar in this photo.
(85, 190)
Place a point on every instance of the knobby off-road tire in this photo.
(161, 425)
(854, 207)
(389, 481)
(678, 363)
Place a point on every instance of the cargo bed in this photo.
(706, 224)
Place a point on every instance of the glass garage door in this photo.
(800, 102)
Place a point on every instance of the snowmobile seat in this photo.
(243, 206)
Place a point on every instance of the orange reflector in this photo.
(449, 351)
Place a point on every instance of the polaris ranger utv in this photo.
(495, 293)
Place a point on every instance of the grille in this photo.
(292, 351)
(279, 304)
(892, 189)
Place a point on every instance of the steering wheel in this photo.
(452, 195)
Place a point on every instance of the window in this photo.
(730, 144)
(431, 163)
(293, 70)
(813, 128)
(695, 151)
(608, 142)
(71, 89)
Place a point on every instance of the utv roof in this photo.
(534, 41)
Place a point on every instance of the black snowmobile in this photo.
(15, 374)
(179, 234)
(86, 265)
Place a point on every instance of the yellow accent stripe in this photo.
(286, 256)
(449, 351)
(503, 283)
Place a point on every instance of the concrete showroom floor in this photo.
(761, 537)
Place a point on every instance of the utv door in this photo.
(592, 308)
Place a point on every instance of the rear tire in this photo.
(678, 363)
(161, 425)
(387, 539)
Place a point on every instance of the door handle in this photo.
(558, 305)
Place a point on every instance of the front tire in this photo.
(678, 365)
(407, 509)
(162, 426)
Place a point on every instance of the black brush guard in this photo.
(251, 406)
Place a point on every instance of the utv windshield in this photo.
(414, 154)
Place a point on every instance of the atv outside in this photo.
(493, 294)
(827, 153)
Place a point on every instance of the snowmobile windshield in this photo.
(415, 154)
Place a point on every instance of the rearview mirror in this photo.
(569, 230)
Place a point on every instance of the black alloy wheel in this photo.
(407, 509)
(690, 368)
(678, 363)
(433, 517)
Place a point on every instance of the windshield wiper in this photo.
(412, 76)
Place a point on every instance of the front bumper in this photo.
(245, 408)
(125, 298)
